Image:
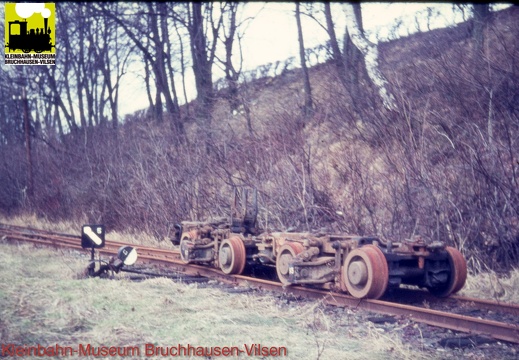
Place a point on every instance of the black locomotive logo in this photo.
(27, 40)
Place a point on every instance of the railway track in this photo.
(502, 330)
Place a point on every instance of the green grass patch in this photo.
(44, 301)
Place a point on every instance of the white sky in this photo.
(272, 35)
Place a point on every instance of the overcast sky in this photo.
(272, 35)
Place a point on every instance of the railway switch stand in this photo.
(93, 237)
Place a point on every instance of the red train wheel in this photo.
(383, 276)
(232, 256)
(459, 265)
(457, 277)
(365, 273)
(285, 254)
(185, 244)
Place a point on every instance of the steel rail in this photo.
(421, 296)
(493, 305)
(171, 259)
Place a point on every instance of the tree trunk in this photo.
(369, 52)
(182, 67)
(481, 13)
(308, 107)
(202, 70)
(336, 51)
(231, 75)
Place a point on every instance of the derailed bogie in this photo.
(223, 243)
(440, 269)
(365, 267)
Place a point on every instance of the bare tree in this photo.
(83, 87)
(481, 13)
(183, 64)
(113, 51)
(147, 28)
(203, 23)
(233, 30)
(337, 56)
(370, 53)
(232, 74)
(308, 108)
(203, 55)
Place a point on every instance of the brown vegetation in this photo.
(445, 165)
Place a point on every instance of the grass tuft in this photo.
(490, 285)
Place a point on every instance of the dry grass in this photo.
(44, 302)
(69, 227)
(38, 222)
(490, 285)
